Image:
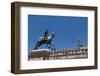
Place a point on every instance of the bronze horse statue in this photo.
(47, 39)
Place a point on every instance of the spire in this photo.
(80, 44)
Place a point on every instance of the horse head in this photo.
(53, 34)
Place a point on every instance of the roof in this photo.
(42, 50)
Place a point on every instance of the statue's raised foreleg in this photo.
(46, 45)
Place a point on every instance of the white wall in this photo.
(5, 42)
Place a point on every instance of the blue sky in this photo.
(68, 30)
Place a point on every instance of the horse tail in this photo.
(36, 46)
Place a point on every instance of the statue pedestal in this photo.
(40, 53)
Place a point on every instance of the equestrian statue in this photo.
(46, 39)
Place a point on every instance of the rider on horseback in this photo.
(47, 39)
(46, 34)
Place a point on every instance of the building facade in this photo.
(68, 53)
